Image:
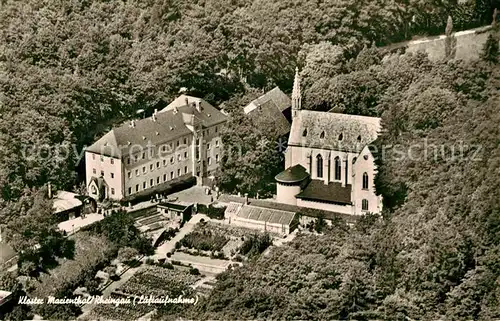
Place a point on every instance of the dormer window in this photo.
(322, 135)
(341, 136)
(304, 133)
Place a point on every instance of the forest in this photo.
(69, 70)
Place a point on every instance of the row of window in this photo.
(172, 161)
(94, 171)
(337, 170)
(158, 180)
(170, 147)
(322, 135)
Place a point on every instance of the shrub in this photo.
(168, 265)
(194, 271)
(255, 245)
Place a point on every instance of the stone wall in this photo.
(468, 46)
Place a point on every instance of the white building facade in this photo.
(180, 141)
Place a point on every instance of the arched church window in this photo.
(319, 165)
(338, 168)
(364, 205)
(365, 180)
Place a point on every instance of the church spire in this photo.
(296, 97)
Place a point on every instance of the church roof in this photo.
(169, 124)
(317, 190)
(333, 131)
(294, 174)
(267, 110)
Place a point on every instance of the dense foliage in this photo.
(255, 244)
(204, 240)
(119, 229)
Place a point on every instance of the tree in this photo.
(490, 49)
(450, 41)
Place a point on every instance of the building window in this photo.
(157, 164)
(102, 173)
(129, 190)
(150, 167)
(143, 155)
(137, 187)
(341, 136)
(178, 143)
(365, 180)
(185, 169)
(112, 191)
(135, 158)
(93, 156)
(93, 171)
(217, 158)
(102, 158)
(359, 138)
(304, 133)
(319, 166)
(164, 177)
(128, 161)
(143, 185)
(158, 180)
(171, 160)
(129, 174)
(216, 129)
(322, 135)
(209, 161)
(216, 143)
(164, 162)
(185, 141)
(185, 155)
(112, 175)
(163, 148)
(151, 182)
(136, 172)
(364, 205)
(112, 161)
(179, 157)
(178, 172)
(208, 146)
(354, 160)
(338, 168)
(144, 169)
(171, 175)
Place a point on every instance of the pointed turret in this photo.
(296, 97)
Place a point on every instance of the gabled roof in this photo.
(294, 174)
(333, 131)
(317, 190)
(265, 215)
(268, 109)
(168, 124)
(64, 201)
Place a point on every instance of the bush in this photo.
(168, 265)
(255, 245)
(204, 241)
(177, 245)
(150, 261)
(194, 271)
(174, 262)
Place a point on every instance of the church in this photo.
(328, 165)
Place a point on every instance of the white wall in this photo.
(344, 209)
(286, 194)
(361, 166)
(93, 162)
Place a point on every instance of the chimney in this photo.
(246, 198)
(49, 190)
(198, 107)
